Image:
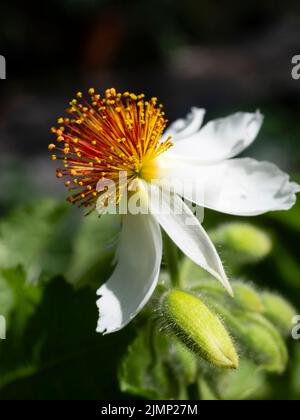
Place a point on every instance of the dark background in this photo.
(224, 56)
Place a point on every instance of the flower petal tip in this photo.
(231, 292)
(295, 187)
(110, 312)
(260, 114)
(227, 285)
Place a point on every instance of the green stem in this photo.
(172, 256)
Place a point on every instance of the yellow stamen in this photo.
(106, 136)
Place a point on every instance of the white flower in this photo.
(241, 186)
(124, 134)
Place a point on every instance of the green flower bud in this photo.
(247, 297)
(279, 311)
(266, 343)
(199, 328)
(243, 242)
(260, 339)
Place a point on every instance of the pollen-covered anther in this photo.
(107, 135)
(59, 173)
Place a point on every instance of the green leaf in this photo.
(49, 239)
(206, 392)
(18, 303)
(23, 298)
(60, 356)
(157, 366)
(142, 371)
(36, 237)
(246, 382)
(6, 297)
(94, 247)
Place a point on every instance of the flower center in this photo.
(105, 136)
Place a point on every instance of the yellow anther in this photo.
(59, 173)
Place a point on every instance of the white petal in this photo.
(243, 187)
(183, 128)
(135, 276)
(220, 139)
(295, 187)
(185, 230)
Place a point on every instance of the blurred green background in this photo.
(193, 53)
